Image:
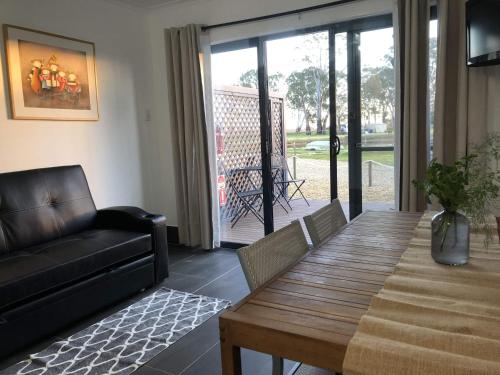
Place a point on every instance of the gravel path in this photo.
(317, 175)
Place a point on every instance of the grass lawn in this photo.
(374, 139)
(383, 157)
(302, 137)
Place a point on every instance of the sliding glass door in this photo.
(238, 144)
(302, 118)
(298, 76)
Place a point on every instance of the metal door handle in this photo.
(337, 145)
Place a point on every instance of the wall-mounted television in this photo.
(483, 32)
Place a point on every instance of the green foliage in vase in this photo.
(470, 185)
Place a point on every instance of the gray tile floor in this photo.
(216, 273)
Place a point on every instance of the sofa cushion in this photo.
(43, 204)
(37, 269)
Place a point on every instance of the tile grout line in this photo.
(197, 359)
(183, 259)
(217, 278)
(157, 369)
(180, 260)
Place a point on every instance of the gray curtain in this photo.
(452, 84)
(467, 106)
(189, 136)
(412, 49)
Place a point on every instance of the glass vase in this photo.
(450, 238)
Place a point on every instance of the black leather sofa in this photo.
(61, 259)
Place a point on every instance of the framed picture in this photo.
(51, 77)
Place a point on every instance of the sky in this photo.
(287, 55)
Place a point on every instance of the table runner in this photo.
(432, 319)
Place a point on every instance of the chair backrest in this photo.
(267, 257)
(325, 222)
(280, 161)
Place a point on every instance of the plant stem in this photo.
(445, 226)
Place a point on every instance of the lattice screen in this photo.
(236, 114)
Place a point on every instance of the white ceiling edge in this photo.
(126, 5)
(146, 8)
(170, 3)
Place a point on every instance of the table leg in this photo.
(230, 355)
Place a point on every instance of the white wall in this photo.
(109, 150)
(214, 12)
(128, 160)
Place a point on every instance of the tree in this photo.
(298, 91)
(341, 108)
(250, 79)
(316, 46)
(341, 97)
(432, 77)
(378, 91)
(308, 92)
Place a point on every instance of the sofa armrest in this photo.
(138, 220)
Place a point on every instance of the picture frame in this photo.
(50, 76)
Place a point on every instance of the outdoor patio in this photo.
(238, 159)
(249, 229)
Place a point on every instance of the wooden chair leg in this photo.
(277, 365)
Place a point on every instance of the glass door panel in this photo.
(298, 80)
(341, 121)
(376, 53)
(238, 142)
(431, 87)
(274, 100)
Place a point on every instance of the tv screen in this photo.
(483, 32)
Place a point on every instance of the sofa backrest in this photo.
(43, 204)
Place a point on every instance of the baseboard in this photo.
(231, 245)
(173, 238)
(173, 235)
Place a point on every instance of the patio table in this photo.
(309, 312)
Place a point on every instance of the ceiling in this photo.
(147, 3)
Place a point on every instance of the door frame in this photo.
(353, 28)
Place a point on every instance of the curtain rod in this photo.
(276, 15)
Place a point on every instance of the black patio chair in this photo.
(254, 162)
(283, 181)
(248, 195)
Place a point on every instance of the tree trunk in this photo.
(319, 127)
(308, 126)
(300, 122)
(324, 123)
(384, 114)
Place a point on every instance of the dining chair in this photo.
(269, 256)
(325, 222)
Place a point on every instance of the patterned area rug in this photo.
(126, 340)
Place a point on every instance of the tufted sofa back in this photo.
(43, 204)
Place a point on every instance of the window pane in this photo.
(433, 25)
(377, 118)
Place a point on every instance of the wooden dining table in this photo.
(310, 311)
